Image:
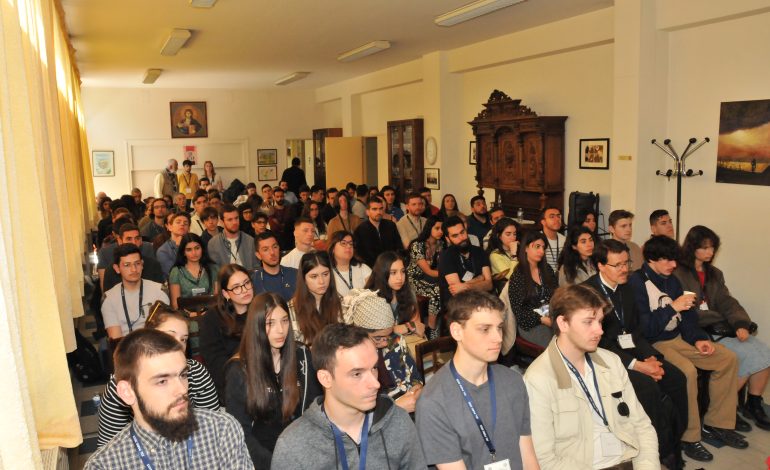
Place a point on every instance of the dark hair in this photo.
(251, 185)
(202, 179)
(494, 238)
(657, 214)
(258, 215)
(374, 200)
(425, 233)
(163, 313)
(473, 200)
(350, 186)
(187, 163)
(603, 249)
(295, 161)
(423, 189)
(266, 186)
(442, 211)
(137, 345)
(304, 189)
(583, 215)
(200, 193)
(303, 220)
(337, 237)
(451, 222)
(661, 247)
(388, 187)
(318, 222)
(571, 298)
(619, 214)
(233, 323)
(229, 208)
(549, 277)
(548, 208)
(309, 319)
(205, 261)
(266, 235)
(333, 189)
(346, 196)
(315, 188)
(378, 281)
(362, 190)
(256, 358)
(123, 225)
(460, 307)
(209, 212)
(695, 239)
(333, 338)
(124, 250)
(569, 258)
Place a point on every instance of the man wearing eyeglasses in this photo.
(660, 386)
(272, 277)
(550, 219)
(126, 305)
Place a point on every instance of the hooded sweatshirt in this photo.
(308, 443)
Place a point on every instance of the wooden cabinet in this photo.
(319, 153)
(405, 156)
(520, 155)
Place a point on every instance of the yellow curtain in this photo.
(46, 204)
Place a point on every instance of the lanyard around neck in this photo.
(618, 310)
(125, 307)
(228, 246)
(419, 220)
(485, 435)
(350, 276)
(280, 271)
(341, 445)
(602, 414)
(147, 461)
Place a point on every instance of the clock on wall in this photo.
(431, 150)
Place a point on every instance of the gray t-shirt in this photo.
(448, 431)
(112, 307)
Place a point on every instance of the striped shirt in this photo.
(218, 443)
(553, 249)
(114, 414)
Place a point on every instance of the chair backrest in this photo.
(509, 322)
(438, 349)
(196, 304)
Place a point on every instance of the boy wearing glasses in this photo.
(127, 304)
(652, 377)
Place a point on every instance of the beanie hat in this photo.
(366, 309)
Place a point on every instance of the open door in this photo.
(344, 161)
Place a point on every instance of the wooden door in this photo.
(344, 161)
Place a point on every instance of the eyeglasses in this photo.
(135, 265)
(240, 288)
(347, 244)
(620, 266)
(379, 339)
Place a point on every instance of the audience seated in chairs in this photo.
(375, 234)
(315, 303)
(193, 273)
(502, 248)
(551, 222)
(344, 220)
(304, 236)
(271, 276)
(575, 263)
(232, 245)
(621, 227)
(389, 280)
(411, 225)
(348, 272)
(422, 271)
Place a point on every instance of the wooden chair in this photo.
(436, 348)
(526, 352)
(195, 307)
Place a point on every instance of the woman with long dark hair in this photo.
(588, 219)
(530, 289)
(575, 263)
(192, 273)
(389, 280)
(222, 325)
(449, 208)
(245, 214)
(114, 414)
(315, 303)
(503, 245)
(423, 268)
(348, 272)
(270, 381)
(345, 219)
(724, 317)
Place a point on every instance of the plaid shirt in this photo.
(218, 443)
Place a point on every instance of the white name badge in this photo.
(500, 465)
(188, 190)
(198, 290)
(611, 445)
(626, 341)
(467, 276)
(704, 305)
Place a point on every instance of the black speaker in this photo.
(580, 204)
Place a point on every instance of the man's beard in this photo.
(464, 246)
(174, 430)
(279, 202)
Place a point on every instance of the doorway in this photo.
(370, 161)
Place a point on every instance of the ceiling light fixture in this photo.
(291, 78)
(472, 10)
(202, 3)
(363, 51)
(175, 41)
(151, 75)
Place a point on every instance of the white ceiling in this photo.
(249, 44)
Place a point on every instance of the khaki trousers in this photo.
(723, 386)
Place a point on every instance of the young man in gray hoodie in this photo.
(351, 424)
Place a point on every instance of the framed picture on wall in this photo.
(472, 152)
(432, 178)
(103, 162)
(267, 156)
(595, 154)
(189, 119)
(267, 173)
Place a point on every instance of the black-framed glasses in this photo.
(240, 288)
(627, 264)
(347, 244)
(379, 339)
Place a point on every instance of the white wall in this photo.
(264, 119)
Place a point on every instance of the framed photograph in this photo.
(190, 153)
(743, 153)
(189, 119)
(267, 156)
(472, 152)
(432, 179)
(267, 173)
(595, 154)
(103, 162)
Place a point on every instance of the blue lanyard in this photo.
(147, 461)
(469, 401)
(341, 446)
(574, 370)
(620, 316)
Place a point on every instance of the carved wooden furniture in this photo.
(405, 155)
(520, 155)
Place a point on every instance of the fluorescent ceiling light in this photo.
(472, 10)
(202, 3)
(151, 75)
(175, 41)
(363, 51)
(291, 78)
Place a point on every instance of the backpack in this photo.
(85, 362)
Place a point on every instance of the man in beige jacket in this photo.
(584, 412)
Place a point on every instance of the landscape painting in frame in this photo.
(743, 153)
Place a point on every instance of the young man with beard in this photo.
(410, 226)
(289, 196)
(232, 245)
(621, 227)
(430, 209)
(329, 210)
(351, 426)
(167, 433)
(478, 220)
(280, 219)
(551, 221)
(584, 410)
(462, 266)
(200, 201)
(375, 234)
(273, 277)
(474, 413)
(157, 225)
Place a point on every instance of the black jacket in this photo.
(370, 242)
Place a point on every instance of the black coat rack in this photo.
(680, 169)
